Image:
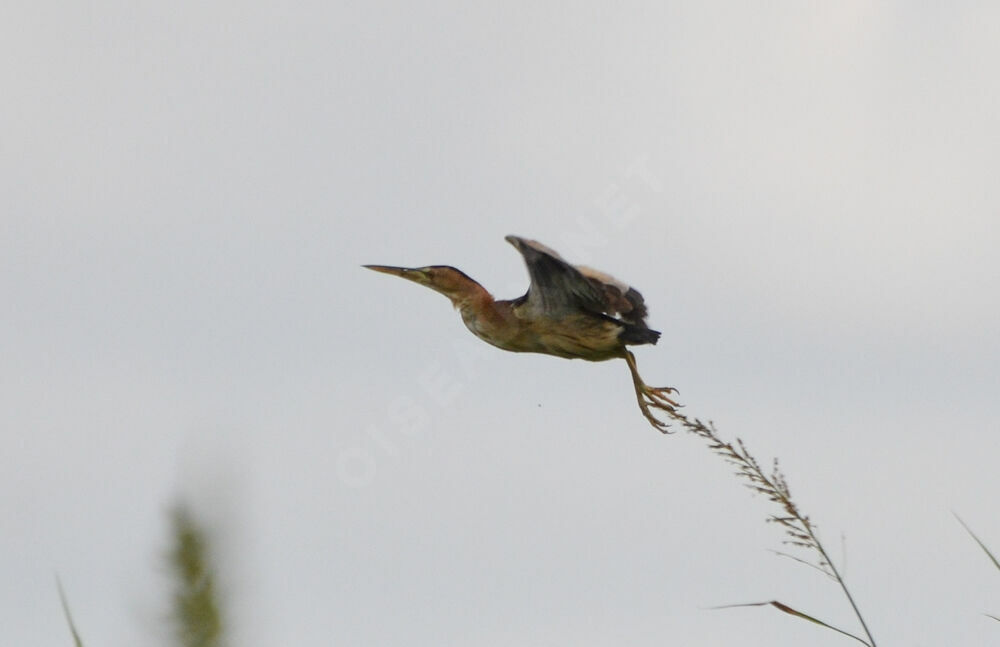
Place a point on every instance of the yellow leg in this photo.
(649, 396)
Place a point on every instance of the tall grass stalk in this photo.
(798, 528)
(986, 550)
(989, 554)
(69, 617)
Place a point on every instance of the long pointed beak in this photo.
(403, 272)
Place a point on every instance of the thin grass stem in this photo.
(69, 617)
(798, 528)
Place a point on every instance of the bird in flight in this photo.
(569, 311)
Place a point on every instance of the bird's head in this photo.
(449, 281)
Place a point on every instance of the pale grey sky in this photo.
(805, 193)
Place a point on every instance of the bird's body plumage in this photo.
(569, 311)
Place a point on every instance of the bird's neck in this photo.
(479, 310)
(473, 298)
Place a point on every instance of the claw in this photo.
(650, 396)
(654, 397)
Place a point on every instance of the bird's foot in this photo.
(657, 398)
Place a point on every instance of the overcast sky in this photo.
(806, 194)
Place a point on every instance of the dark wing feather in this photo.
(556, 286)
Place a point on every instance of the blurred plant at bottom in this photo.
(196, 613)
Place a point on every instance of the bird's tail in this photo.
(636, 335)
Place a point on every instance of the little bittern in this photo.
(569, 311)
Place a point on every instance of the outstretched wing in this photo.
(558, 288)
